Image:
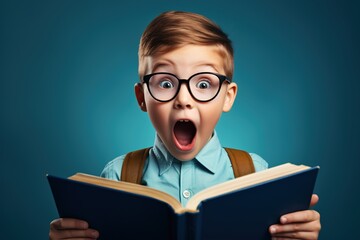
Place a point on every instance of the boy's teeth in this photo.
(183, 120)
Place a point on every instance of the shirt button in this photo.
(186, 193)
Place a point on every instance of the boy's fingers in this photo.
(299, 225)
(300, 217)
(314, 200)
(88, 233)
(74, 234)
(291, 229)
(68, 223)
(296, 235)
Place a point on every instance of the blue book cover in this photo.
(248, 213)
(238, 213)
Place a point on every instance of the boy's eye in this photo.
(166, 84)
(203, 84)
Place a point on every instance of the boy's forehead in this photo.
(189, 57)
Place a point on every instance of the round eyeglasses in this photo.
(203, 86)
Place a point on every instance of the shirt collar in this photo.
(162, 155)
(208, 156)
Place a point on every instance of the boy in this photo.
(177, 48)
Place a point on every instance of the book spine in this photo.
(186, 226)
(194, 226)
(179, 227)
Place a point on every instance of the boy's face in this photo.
(184, 124)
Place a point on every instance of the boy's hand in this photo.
(298, 225)
(68, 228)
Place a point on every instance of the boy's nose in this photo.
(184, 99)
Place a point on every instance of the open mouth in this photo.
(184, 132)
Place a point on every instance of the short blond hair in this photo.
(175, 29)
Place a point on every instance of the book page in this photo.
(242, 182)
(131, 188)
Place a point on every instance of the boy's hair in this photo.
(175, 29)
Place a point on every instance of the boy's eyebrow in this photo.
(162, 64)
(210, 65)
(170, 63)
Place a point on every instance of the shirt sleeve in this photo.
(259, 163)
(112, 170)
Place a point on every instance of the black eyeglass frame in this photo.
(222, 79)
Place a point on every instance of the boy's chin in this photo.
(184, 156)
(185, 159)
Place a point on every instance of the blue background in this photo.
(67, 103)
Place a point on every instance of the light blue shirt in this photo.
(183, 179)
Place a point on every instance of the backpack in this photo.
(133, 165)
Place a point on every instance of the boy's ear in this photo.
(139, 93)
(230, 96)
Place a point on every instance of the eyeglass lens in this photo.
(202, 87)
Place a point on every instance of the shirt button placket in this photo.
(186, 174)
(186, 193)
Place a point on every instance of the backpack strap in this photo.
(241, 161)
(133, 166)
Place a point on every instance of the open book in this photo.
(241, 208)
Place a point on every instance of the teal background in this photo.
(67, 103)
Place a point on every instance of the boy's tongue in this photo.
(184, 132)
